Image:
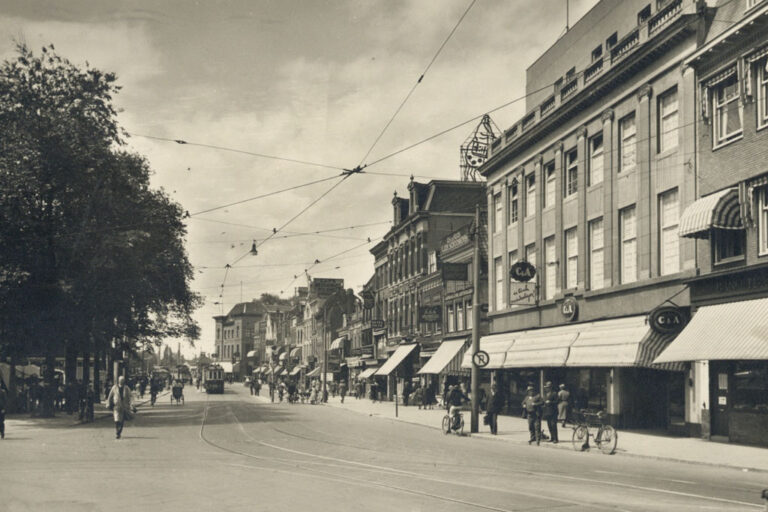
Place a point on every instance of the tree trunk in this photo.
(97, 376)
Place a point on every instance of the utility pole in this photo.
(475, 388)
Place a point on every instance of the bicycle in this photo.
(605, 435)
(451, 424)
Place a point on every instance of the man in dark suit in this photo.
(532, 411)
(549, 410)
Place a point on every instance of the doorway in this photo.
(720, 391)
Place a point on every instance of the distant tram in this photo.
(213, 377)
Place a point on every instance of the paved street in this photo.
(238, 452)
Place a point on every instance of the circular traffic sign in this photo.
(481, 358)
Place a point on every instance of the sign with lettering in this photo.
(324, 287)
(455, 272)
(377, 323)
(366, 351)
(570, 309)
(522, 294)
(368, 300)
(667, 319)
(430, 314)
(455, 240)
(522, 271)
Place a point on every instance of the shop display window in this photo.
(750, 386)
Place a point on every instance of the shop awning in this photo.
(542, 347)
(395, 359)
(278, 370)
(736, 330)
(367, 373)
(226, 366)
(251, 353)
(618, 342)
(719, 210)
(296, 352)
(448, 354)
(314, 373)
(296, 370)
(496, 346)
(282, 356)
(337, 343)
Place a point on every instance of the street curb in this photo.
(562, 445)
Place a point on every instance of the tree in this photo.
(91, 257)
(271, 299)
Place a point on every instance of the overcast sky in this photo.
(303, 79)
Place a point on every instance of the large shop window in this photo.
(550, 268)
(596, 261)
(727, 111)
(591, 388)
(549, 184)
(571, 258)
(628, 149)
(669, 241)
(530, 194)
(513, 203)
(668, 123)
(571, 173)
(628, 254)
(762, 219)
(762, 94)
(750, 386)
(596, 160)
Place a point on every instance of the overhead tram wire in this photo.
(241, 151)
(421, 77)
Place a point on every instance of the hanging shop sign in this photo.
(522, 271)
(570, 309)
(455, 272)
(430, 314)
(368, 300)
(377, 323)
(459, 238)
(667, 320)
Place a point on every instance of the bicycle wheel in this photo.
(580, 438)
(607, 439)
(446, 424)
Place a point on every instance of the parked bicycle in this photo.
(592, 424)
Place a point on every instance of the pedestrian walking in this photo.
(342, 390)
(549, 411)
(563, 403)
(532, 412)
(119, 402)
(3, 406)
(495, 406)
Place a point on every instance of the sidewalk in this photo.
(630, 443)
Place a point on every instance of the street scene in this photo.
(417, 255)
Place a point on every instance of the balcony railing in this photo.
(665, 15)
(548, 106)
(569, 88)
(593, 70)
(625, 46)
(528, 121)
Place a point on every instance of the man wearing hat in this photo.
(532, 411)
(563, 401)
(549, 410)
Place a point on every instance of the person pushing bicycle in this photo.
(456, 399)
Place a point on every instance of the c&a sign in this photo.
(667, 319)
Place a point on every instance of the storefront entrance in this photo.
(721, 400)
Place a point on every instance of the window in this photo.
(668, 123)
(669, 243)
(628, 149)
(571, 173)
(499, 274)
(459, 316)
(571, 258)
(469, 314)
(628, 238)
(729, 244)
(762, 94)
(597, 53)
(750, 386)
(762, 220)
(596, 261)
(549, 184)
(727, 111)
(530, 254)
(596, 160)
(512, 261)
(612, 40)
(513, 202)
(530, 195)
(432, 260)
(451, 326)
(499, 212)
(643, 15)
(550, 268)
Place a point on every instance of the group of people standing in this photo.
(549, 406)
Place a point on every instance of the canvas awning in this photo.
(719, 210)
(618, 342)
(314, 373)
(367, 373)
(296, 370)
(542, 347)
(226, 366)
(282, 356)
(395, 359)
(296, 352)
(337, 343)
(447, 357)
(496, 346)
(732, 331)
(251, 353)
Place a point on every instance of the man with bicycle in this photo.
(456, 399)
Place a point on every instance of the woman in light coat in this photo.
(119, 401)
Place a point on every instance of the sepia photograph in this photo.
(383, 255)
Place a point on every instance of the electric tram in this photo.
(213, 377)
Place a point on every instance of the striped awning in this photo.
(542, 347)
(296, 370)
(296, 352)
(448, 355)
(283, 356)
(619, 342)
(395, 359)
(732, 331)
(314, 373)
(336, 345)
(719, 210)
(496, 346)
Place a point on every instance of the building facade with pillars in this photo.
(588, 188)
(726, 341)
(432, 211)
